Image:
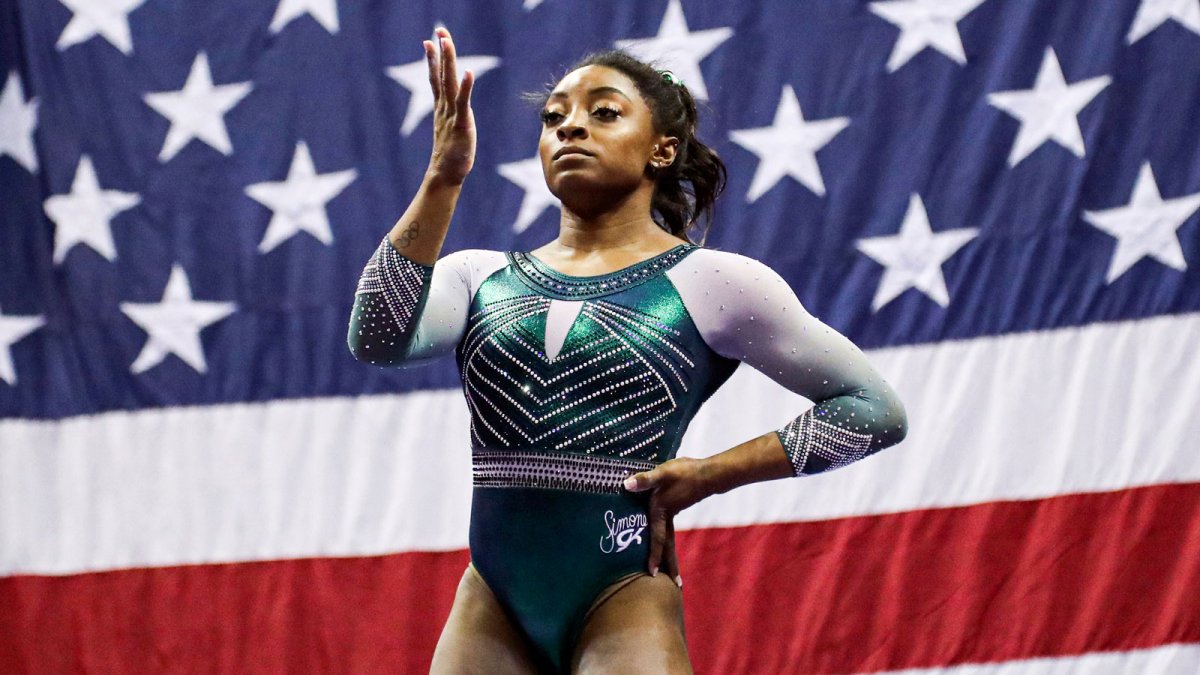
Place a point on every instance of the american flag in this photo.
(996, 198)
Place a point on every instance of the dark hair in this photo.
(685, 191)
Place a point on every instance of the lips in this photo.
(572, 150)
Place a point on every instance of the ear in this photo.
(664, 152)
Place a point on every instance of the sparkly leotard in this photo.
(575, 382)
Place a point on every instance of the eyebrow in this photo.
(593, 92)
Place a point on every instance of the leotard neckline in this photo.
(567, 287)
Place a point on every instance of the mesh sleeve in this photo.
(405, 312)
(745, 311)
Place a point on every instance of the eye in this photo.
(550, 117)
(607, 113)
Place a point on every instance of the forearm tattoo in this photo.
(409, 235)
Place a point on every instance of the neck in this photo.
(622, 224)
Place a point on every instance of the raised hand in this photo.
(453, 121)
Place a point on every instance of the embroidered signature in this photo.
(622, 532)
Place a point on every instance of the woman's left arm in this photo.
(745, 311)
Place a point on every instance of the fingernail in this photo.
(654, 571)
(679, 581)
(630, 483)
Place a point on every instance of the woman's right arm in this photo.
(395, 284)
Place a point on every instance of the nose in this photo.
(571, 128)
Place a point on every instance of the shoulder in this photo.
(725, 274)
(471, 265)
(471, 256)
(742, 308)
(727, 293)
(473, 259)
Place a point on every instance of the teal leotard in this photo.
(574, 383)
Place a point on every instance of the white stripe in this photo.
(330, 477)
(1088, 409)
(1166, 660)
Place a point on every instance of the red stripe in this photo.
(1060, 576)
(992, 582)
(348, 615)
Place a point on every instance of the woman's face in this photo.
(597, 133)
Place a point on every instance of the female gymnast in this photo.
(584, 360)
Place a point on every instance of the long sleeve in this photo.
(745, 311)
(405, 312)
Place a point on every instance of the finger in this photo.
(464, 94)
(435, 79)
(670, 561)
(640, 482)
(449, 68)
(658, 536)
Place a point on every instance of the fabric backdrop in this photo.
(997, 199)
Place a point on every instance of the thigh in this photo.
(637, 629)
(479, 637)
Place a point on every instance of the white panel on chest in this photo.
(559, 319)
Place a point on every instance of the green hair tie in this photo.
(670, 78)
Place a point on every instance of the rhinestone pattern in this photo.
(553, 470)
(389, 296)
(807, 437)
(645, 347)
(631, 371)
(564, 287)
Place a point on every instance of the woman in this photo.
(583, 362)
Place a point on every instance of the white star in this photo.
(1146, 226)
(173, 325)
(1154, 13)
(527, 174)
(18, 119)
(197, 110)
(415, 78)
(913, 258)
(925, 23)
(788, 147)
(324, 11)
(299, 202)
(12, 329)
(84, 216)
(677, 49)
(106, 18)
(1049, 110)
(531, 4)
